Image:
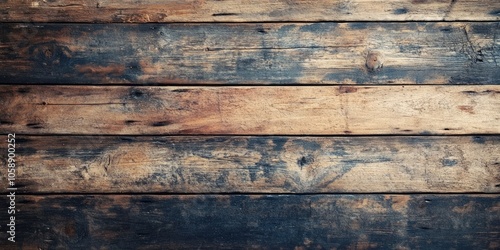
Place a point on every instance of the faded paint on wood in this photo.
(325, 110)
(96, 164)
(263, 222)
(246, 11)
(256, 53)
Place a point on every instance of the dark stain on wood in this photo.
(495, 12)
(244, 221)
(347, 89)
(479, 139)
(225, 14)
(160, 123)
(400, 11)
(112, 53)
(449, 162)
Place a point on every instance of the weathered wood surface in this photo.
(96, 164)
(256, 53)
(269, 110)
(246, 11)
(257, 222)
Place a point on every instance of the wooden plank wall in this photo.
(299, 124)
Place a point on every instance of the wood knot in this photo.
(374, 60)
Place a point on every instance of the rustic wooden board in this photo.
(256, 53)
(246, 11)
(111, 164)
(257, 222)
(270, 110)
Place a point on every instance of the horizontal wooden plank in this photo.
(256, 53)
(96, 164)
(256, 222)
(269, 110)
(246, 11)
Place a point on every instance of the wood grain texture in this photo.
(246, 11)
(96, 164)
(257, 222)
(256, 53)
(325, 110)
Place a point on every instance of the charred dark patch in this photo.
(160, 123)
(400, 11)
(244, 221)
(261, 30)
(137, 94)
(127, 139)
(132, 71)
(347, 132)
(49, 54)
(279, 143)
(35, 125)
(26, 151)
(495, 12)
(224, 14)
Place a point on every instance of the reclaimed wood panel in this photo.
(257, 222)
(252, 53)
(115, 164)
(270, 110)
(246, 11)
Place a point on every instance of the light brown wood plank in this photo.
(256, 222)
(325, 110)
(247, 11)
(96, 164)
(251, 54)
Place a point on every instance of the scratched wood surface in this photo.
(247, 11)
(289, 110)
(251, 53)
(166, 124)
(259, 222)
(104, 164)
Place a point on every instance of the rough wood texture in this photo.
(93, 164)
(325, 110)
(258, 222)
(289, 53)
(246, 11)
